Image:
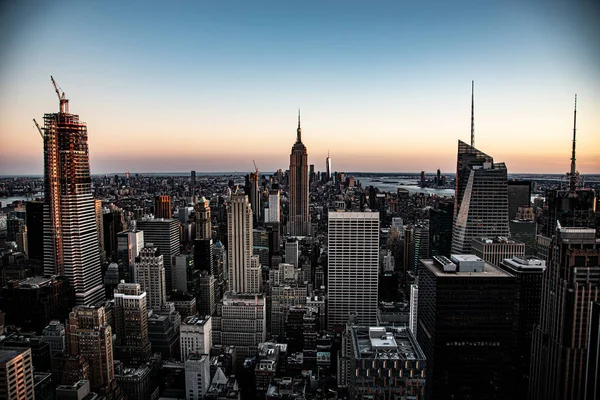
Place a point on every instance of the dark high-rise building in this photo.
(569, 286)
(519, 195)
(465, 328)
(35, 229)
(254, 196)
(163, 234)
(163, 207)
(16, 374)
(70, 237)
(573, 206)
(32, 303)
(328, 168)
(528, 272)
(299, 217)
(481, 200)
(592, 377)
(494, 250)
(131, 324)
(440, 229)
(113, 222)
(203, 220)
(203, 255)
(193, 179)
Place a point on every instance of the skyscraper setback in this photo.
(299, 218)
(70, 235)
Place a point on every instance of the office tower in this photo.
(100, 227)
(494, 250)
(164, 234)
(291, 252)
(13, 225)
(78, 390)
(592, 377)
(327, 168)
(481, 200)
(16, 374)
(131, 324)
(353, 261)
(206, 299)
(386, 363)
(197, 376)
(440, 229)
(524, 229)
(465, 328)
(203, 220)
(193, 180)
(70, 236)
(573, 206)
(254, 196)
(150, 274)
(284, 296)
(240, 321)
(195, 336)
(183, 271)
(33, 302)
(272, 213)
(54, 335)
(163, 207)
(129, 244)
(111, 280)
(185, 303)
(299, 217)
(89, 335)
(519, 195)
(35, 229)
(528, 272)
(244, 268)
(414, 304)
(569, 286)
(113, 222)
(203, 255)
(164, 338)
(419, 246)
(423, 179)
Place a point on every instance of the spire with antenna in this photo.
(573, 175)
(299, 130)
(472, 114)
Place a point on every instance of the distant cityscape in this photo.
(301, 283)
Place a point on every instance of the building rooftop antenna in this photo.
(472, 114)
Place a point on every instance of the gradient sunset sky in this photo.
(383, 85)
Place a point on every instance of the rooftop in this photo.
(488, 270)
(389, 343)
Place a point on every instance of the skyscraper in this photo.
(465, 328)
(299, 217)
(163, 207)
(569, 286)
(164, 234)
(328, 167)
(35, 229)
(272, 214)
(70, 235)
(131, 324)
(244, 268)
(150, 274)
(203, 220)
(481, 200)
(255, 197)
(353, 261)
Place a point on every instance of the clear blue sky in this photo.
(385, 86)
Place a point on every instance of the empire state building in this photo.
(299, 217)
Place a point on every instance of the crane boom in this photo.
(38, 128)
(255, 168)
(57, 89)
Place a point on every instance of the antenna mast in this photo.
(472, 114)
(573, 175)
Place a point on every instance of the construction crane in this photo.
(64, 103)
(255, 168)
(38, 128)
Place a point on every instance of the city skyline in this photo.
(209, 88)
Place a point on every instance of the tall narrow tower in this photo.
(299, 218)
(328, 167)
(244, 268)
(70, 236)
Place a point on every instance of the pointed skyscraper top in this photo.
(299, 130)
(573, 175)
(472, 114)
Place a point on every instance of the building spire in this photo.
(299, 130)
(573, 175)
(472, 114)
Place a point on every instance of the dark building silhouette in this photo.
(32, 303)
(112, 223)
(465, 328)
(440, 229)
(519, 195)
(528, 272)
(35, 229)
(569, 286)
(299, 217)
